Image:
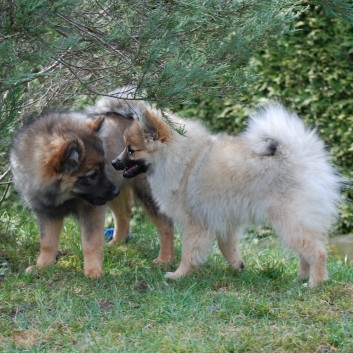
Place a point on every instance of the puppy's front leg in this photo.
(196, 245)
(50, 229)
(92, 231)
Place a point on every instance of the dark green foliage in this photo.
(65, 53)
(173, 50)
(338, 8)
(311, 73)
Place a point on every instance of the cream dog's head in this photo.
(143, 139)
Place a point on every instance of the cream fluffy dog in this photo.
(276, 172)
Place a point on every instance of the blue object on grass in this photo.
(108, 234)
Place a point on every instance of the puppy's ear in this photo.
(63, 156)
(70, 160)
(155, 128)
(150, 134)
(96, 123)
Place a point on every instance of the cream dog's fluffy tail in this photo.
(273, 132)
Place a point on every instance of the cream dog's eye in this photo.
(130, 150)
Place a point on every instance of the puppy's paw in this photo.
(112, 242)
(30, 269)
(163, 260)
(93, 273)
(45, 260)
(119, 240)
(173, 275)
(240, 266)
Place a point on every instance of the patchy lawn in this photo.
(134, 309)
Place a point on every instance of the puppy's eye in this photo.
(92, 176)
(130, 150)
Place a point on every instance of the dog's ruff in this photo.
(276, 172)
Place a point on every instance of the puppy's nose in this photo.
(118, 164)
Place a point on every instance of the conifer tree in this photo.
(56, 53)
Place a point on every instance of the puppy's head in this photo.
(75, 162)
(143, 140)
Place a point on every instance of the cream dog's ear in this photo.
(154, 126)
(150, 135)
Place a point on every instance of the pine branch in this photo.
(40, 74)
(7, 185)
(99, 39)
(338, 8)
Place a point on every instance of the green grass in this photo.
(134, 309)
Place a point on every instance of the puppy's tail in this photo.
(272, 130)
(296, 152)
(123, 101)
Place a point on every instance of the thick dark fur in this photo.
(61, 165)
(58, 167)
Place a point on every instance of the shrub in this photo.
(311, 72)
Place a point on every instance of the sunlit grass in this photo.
(134, 309)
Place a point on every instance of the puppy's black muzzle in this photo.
(102, 196)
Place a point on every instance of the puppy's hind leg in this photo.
(313, 259)
(304, 268)
(230, 250)
(310, 247)
(196, 245)
(166, 235)
(121, 210)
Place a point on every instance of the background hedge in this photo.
(310, 72)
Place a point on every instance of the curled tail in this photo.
(272, 129)
(299, 153)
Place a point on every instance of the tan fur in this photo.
(92, 224)
(49, 242)
(137, 136)
(95, 124)
(121, 210)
